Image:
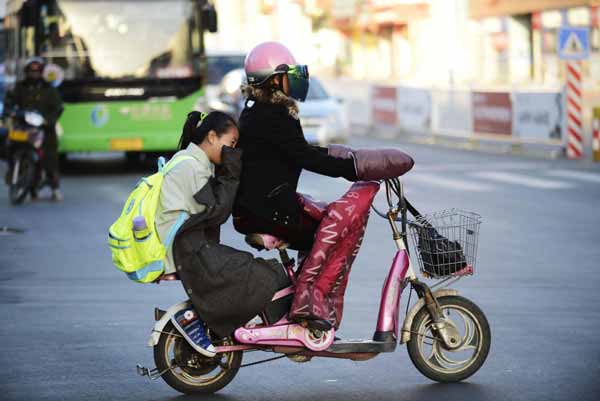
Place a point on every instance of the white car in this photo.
(324, 118)
(217, 66)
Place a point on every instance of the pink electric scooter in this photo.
(448, 336)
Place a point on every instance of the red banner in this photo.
(492, 113)
(383, 104)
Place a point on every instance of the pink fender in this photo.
(390, 297)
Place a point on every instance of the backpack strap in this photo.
(183, 216)
(166, 167)
(161, 164)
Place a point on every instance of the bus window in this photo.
(113, 40)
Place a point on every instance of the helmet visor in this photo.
(298, 81)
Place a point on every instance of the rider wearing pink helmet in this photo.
(270, 59)
(275, 153)
(275, 150)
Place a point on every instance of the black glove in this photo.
(231, 163)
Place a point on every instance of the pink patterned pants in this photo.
(322, 280)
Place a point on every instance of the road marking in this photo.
(473, 166)
(520, 179)
(576, 175)
(449, 183)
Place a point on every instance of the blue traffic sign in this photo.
(573, 43)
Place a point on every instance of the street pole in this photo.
(574, 110)
(596, 135)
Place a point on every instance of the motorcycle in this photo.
(447, 336)
(25, 155)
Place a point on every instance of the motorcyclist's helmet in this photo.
(272, 58)
(34, 67)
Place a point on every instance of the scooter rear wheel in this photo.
(428, 352)
(187, 371)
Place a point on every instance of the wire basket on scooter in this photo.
(446, 242)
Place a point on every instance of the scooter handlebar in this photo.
(375, 164)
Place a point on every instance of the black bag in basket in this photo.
(441, 257)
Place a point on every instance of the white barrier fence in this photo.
(538, 116)
(516, 116)
(414, 109)
(451, 112)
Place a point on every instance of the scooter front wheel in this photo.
(189, 372)
(21, 176)
(428, 352)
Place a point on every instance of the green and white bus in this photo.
(129, 71)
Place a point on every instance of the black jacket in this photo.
(227, 287)
(275, 152)
(36, 95)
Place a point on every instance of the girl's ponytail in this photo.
(194, 118)
(198, 125)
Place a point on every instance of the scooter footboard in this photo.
(287, 334)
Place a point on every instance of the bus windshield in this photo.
(123, 39)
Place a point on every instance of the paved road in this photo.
(74, 328)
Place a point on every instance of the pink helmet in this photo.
(262, 61)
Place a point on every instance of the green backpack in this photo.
(134, 243)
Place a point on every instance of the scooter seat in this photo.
(265, 241)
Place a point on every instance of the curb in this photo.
(474, 144)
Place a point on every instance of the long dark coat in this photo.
(227, 287)
(275, 153)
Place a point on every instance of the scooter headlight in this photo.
(34, 119)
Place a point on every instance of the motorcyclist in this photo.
(34, 93)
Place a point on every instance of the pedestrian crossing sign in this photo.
(573, 43)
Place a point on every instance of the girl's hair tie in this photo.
(202, 117)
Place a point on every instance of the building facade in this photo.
(470, 42)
